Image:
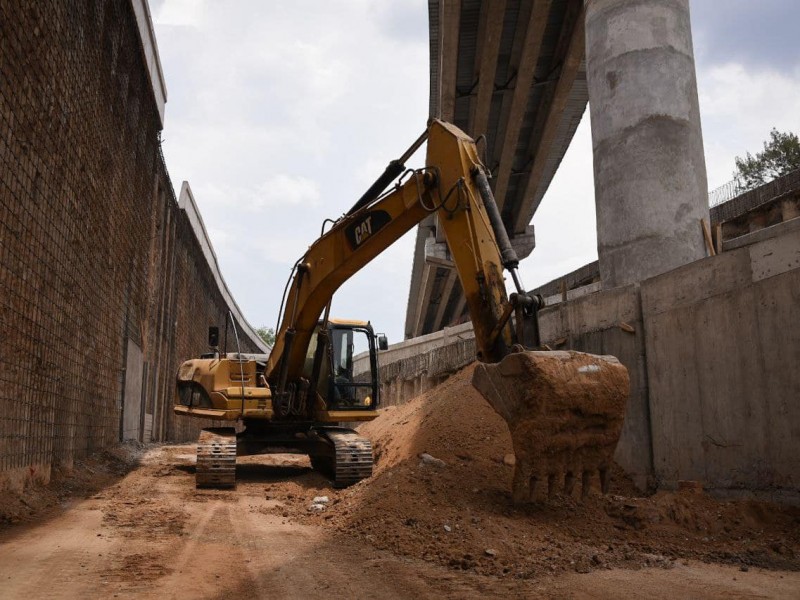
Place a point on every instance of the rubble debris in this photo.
(427, 459)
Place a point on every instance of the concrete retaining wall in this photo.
(723, 349)
(96, 255)
(712, 349)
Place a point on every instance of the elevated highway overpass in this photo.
(514, 72)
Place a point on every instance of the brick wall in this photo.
(95, 252)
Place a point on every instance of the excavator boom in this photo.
(448, 187)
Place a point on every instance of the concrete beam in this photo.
(524, 242)
(414, 290)
(462, 304)
(444, 299)
(534, 35)
(438, 253)
(490, 32)
(552, 121)
(506, 92)
(451, 17)
(424, 299)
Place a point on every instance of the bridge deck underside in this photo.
(514, 72)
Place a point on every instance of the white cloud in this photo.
(738, 108)
(282, 190)
(184, 13)
(280, 114)
(279, 191)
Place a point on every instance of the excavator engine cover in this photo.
(565, 412)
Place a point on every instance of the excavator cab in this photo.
(348, 370)
(352, 387)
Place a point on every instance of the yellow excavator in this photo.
(296, 399)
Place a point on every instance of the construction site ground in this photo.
(130, 523)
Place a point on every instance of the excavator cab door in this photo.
(353, 370)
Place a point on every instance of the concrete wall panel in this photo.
(132, 395)
(777, 301)
(722, 368)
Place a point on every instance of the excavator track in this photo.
(216, 458)
(352, 459)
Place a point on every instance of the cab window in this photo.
(351, 389)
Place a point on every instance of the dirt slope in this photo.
(461, 515)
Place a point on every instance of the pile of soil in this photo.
(83, 479)
(457, 510)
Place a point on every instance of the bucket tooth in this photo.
(565, 412)
(534, 490)
(538, 491)
(523, 488)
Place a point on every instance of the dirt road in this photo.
(152, 535)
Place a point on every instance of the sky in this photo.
(280, 114)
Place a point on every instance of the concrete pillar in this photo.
(649, 168)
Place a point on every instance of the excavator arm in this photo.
(454, 186)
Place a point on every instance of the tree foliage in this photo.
(267, 334)
(781, 155)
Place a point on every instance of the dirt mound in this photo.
(451, 422)
(441, 492)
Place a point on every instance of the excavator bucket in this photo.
(565, 412)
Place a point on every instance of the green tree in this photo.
(267, 334)
(781, 155)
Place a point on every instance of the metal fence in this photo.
(726, 192)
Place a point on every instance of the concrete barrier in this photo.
(413, 366)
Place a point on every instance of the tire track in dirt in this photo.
(58, 562)
(154, 536)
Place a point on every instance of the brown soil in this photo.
(408, 506)
(151, 534)
(83, 479)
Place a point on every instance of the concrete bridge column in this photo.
(649, 167)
